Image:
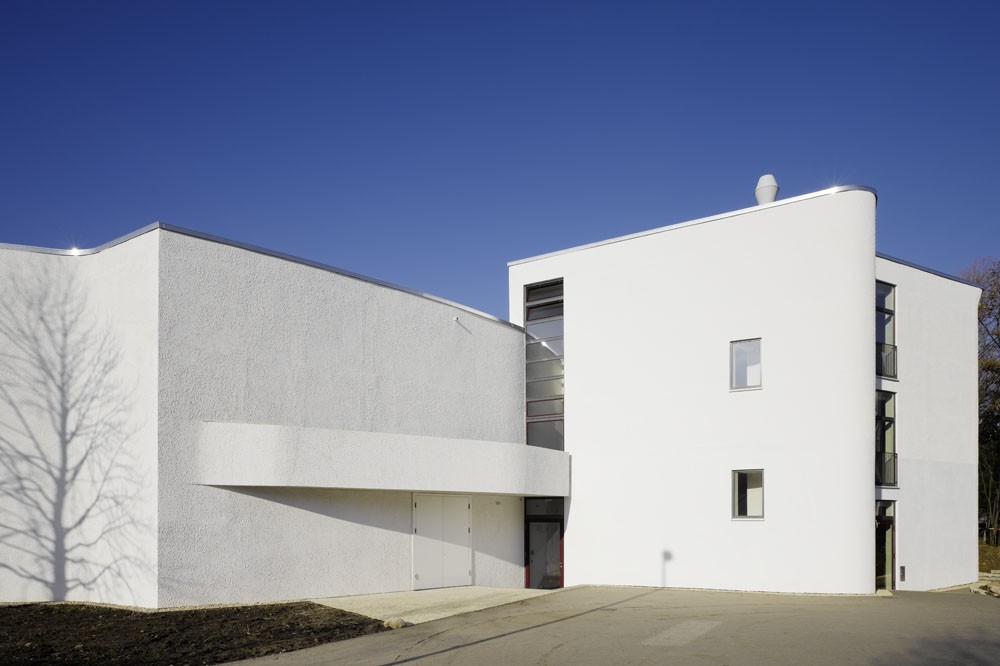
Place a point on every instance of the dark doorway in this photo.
(885, 553)
(545, 554)
(543, 542)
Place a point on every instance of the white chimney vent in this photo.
(767, 189)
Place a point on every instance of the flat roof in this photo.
(258, 250)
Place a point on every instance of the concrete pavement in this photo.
(617, 625)
(426, 605)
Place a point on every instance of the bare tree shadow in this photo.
(969, 650)
(68, 484)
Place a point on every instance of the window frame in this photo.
(885, 438)
(546, 380)
(889, 311)
(886, 353)
(885, 418)
(732, 365)
(734, 484)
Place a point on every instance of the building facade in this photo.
(189, 420)
(265, 429)
(714, 383)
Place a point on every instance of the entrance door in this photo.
(545, 554)
(442, 553)
(885, 556)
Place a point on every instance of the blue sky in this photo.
(429, 143)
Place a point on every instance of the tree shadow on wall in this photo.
(68, 488)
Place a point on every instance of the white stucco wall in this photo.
(936, 427)
(655, 432)
(248, 338)
(106, 303)
(244, 454)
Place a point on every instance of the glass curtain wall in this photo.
(544, 364)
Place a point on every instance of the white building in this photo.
(267, 429)
(719, 386)
(240, 425)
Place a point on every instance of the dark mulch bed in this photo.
(69, 633)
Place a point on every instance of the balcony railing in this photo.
(885, 469)
(885, 360)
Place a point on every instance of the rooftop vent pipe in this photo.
(767, 189)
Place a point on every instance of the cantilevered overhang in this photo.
(245, 454)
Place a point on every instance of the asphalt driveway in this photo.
(618, 625)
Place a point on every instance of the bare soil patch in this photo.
(989, 557)
(74, 633)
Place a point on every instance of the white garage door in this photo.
(442, 556)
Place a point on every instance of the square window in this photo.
(748, 493)
(744, 364)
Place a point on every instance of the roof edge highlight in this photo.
(910, 264)
(700, 220)
(257, 250)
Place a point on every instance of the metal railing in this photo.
(885, 360)
(885, 469)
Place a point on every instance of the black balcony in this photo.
(885, 360)
(885, 469)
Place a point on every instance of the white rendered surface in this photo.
(245, 454)
(655, 432)
(209, 332)
(936, 428)
(110, 515)
(247, 338)
(280, 415)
